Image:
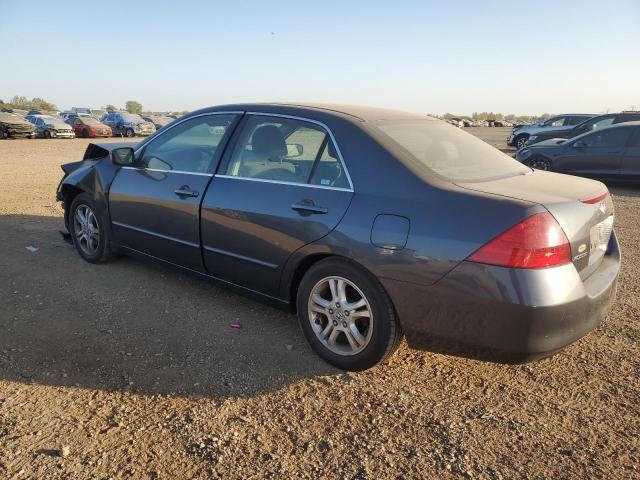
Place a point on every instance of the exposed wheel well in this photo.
(306, 264)
(69, 192)
(302, 268)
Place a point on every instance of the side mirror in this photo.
(122, 156)
(294, 149)
(579, 144)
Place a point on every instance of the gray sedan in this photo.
(50, 127)
(373, 225)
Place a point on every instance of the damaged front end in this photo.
(92, 175)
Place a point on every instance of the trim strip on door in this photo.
(241, 257)
(154, 234)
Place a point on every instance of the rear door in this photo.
(282, 185)
(155, 205)
(597, 154)
(631, 159)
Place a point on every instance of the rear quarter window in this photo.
(449, 152)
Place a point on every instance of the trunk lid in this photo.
(588, 226)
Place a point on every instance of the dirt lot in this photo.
(130, 370)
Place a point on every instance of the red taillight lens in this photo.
(597, 199)
(536, 242)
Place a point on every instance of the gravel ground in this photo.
(130, 370)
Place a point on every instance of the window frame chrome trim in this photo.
(168, 171)
(280, 182)
(309, 120)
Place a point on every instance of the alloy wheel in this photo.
(540, 164)
(340, 316)
(86, 230)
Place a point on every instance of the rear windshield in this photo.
(449, 152)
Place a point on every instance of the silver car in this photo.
(50, 127)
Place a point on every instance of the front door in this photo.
(597, 154)
(283, 186)
(155, 205)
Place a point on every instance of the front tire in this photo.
(85, 133)
(47, 134)
(346, 315)
(130, 133)
(520, 141)
(540, 163)
(88, 232)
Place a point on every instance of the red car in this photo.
(89, 127)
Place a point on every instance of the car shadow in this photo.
(134, 326)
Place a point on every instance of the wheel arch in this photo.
(304, 264)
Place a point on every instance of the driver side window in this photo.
(555, 122)
(189, 146)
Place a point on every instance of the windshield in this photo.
(131, 117)
(451, 153)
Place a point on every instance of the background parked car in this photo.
(14, 126)
(86, 126)
(50, 127)
(594, 123)
(520, 135)
(128, 124)
(158, 121)
(609, 153)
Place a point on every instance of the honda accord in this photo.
(373, 225)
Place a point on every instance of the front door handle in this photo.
(185, 191)
(309, 208)
(618, 151)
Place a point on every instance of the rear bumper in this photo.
(506, 315)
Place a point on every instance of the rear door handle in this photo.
(618, 151)
(309, 208)
(185, 191)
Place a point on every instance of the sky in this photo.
(423, 56)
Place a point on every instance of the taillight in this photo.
(596, 199)
(536, 242)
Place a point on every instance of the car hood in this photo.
(14, 121)
(58, 124)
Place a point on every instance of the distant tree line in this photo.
(500, 116)
(24, 103)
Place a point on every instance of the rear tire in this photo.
(87, 226)
(355, 333)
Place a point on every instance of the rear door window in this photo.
(611, 137)
(286, 150)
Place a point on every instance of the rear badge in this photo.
(582, 252)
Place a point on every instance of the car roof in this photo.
(353, 112)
